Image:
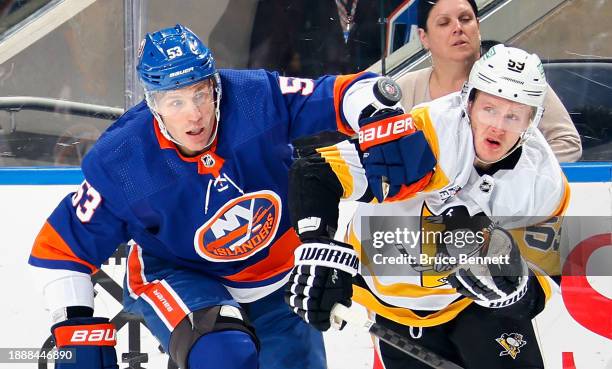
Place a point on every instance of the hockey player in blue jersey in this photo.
(195, 179)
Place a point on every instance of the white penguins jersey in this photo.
(532, 190)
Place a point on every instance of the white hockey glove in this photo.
(491, 284)
(322, 276)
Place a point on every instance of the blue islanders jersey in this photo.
(224, 212)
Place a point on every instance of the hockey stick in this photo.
(342, 313)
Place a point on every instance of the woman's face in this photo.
(497, 124)
(453, 32)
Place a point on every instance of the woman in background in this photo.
(450, 30)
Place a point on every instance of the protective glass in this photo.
(183, 101)
(504, 120)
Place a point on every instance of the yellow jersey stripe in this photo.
(564, 203)
(422, 120)
(344, 161)
(349, 154)
(332, 156)
(406, 316)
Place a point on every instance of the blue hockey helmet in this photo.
(172, 58)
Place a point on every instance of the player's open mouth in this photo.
(195, 132)
(459, 43)
(493, 143)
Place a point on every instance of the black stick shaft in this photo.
(405, 345)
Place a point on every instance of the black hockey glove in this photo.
(91, 342)
(321, 277)
(496, 282)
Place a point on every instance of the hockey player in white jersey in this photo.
(495, 174)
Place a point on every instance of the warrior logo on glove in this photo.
(322, 277)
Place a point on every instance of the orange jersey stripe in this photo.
(340, 86)
(164, 143)
(156, 293)
(50, 245)
(135, 281)
(279, 260)
(165, 302)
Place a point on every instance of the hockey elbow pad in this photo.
(314, 190)
(89, 343)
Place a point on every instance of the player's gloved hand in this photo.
(494, 285)
(458, 222)
(395, 155)
(91, 340)
(397, 158)
(321, 277)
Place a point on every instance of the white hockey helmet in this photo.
(512, 74)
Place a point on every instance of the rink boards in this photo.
(575, 329)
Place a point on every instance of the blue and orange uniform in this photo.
(206, 230)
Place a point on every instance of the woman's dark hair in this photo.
(485, 45)
(424, 8)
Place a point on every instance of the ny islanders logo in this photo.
(241, 228)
